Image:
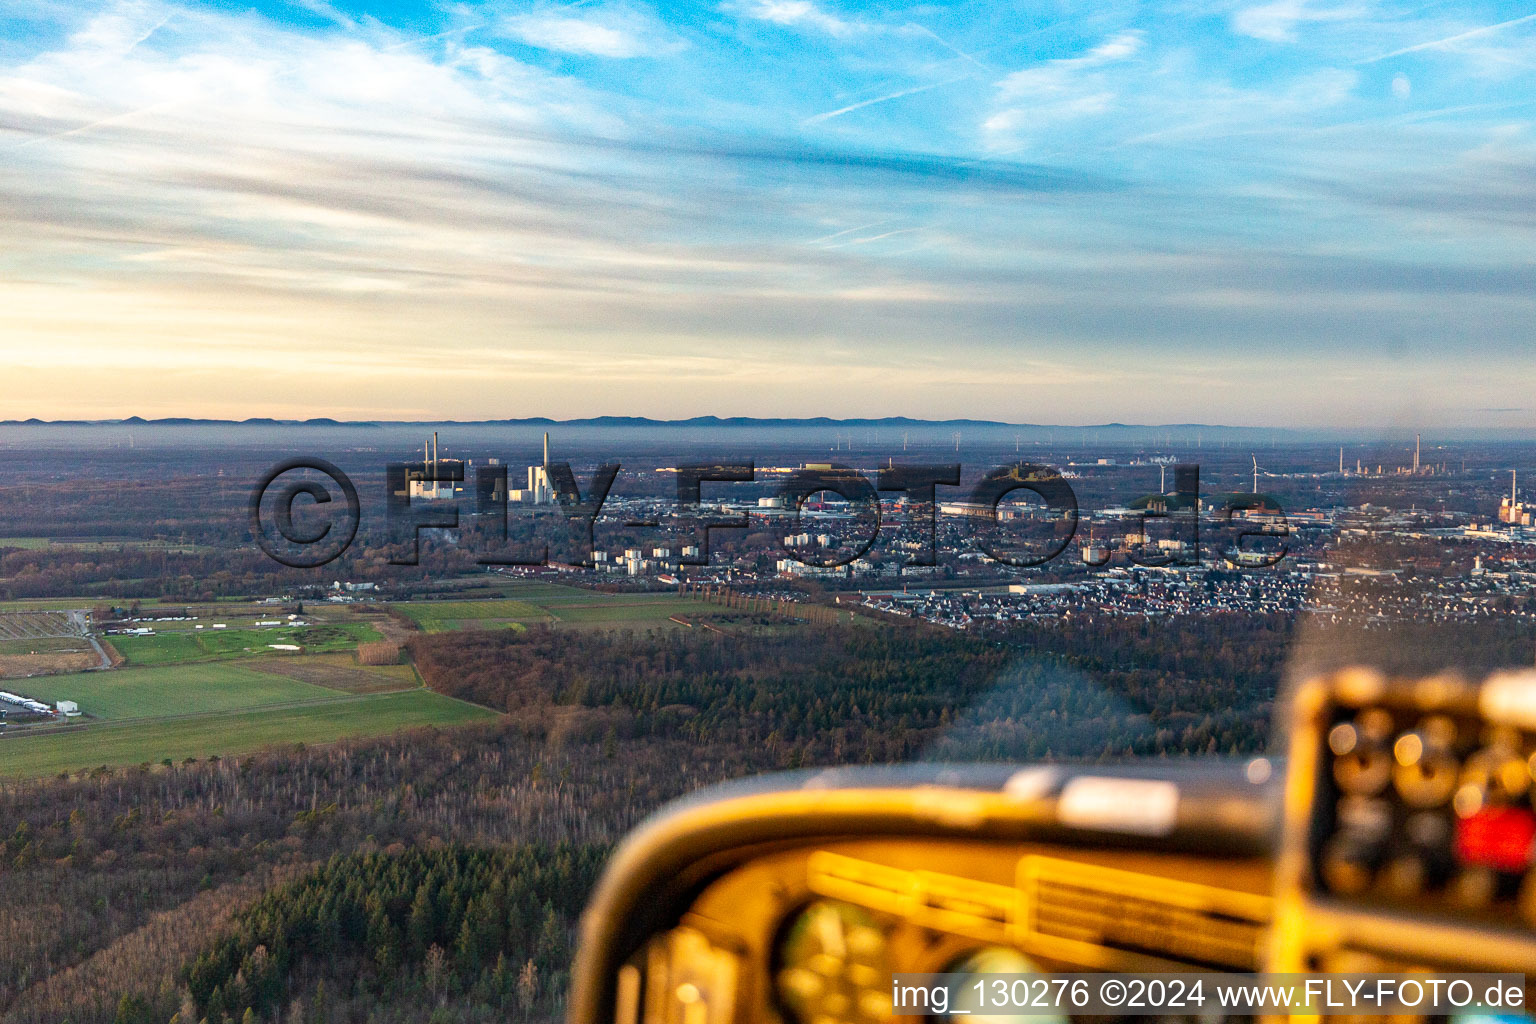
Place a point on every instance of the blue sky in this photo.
(1286, 212)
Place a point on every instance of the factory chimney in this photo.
(1415, 453)
(434, 455)
(546, 448)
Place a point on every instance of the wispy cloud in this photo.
(800, 14)
(1277, 21)
(602, 32)
(1061, 75)
(1035, 98)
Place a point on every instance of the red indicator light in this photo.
(1496, 837)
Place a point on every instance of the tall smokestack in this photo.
(1415, 453)
(1341, 460)
(546, 447)
(434, 454)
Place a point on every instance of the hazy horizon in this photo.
(861, 437)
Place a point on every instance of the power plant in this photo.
(424, 484)
(1511, 509)
(540, 491)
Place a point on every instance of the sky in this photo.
(1260, 212)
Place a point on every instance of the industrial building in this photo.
(424, 484)
(1511, 509)
(540, 489)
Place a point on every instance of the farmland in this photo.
(184, 691)
(45, 645)
(136, 693)
(38, 623)
(97, 544)
(442, 616)
(39, 641)
(230, 733)
(150, 713)
(179, 646)
(562, 607)
(340, 672)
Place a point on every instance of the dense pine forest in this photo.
(402, 933)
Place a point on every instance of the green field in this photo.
(559, 606)
(442, 616)
(341, 672)
(45, 645)
(230, 733)
(234, 614)
(132, 693)
(181, 646)
(539, 591)
(50, 604)
(556, 605)
(95, 544)
(653, 610)
(593, 597)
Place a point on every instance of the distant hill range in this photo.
(835, 432)
(895, 422)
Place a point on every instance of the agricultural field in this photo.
(189, 692)
(134, 693)
(45, 645)
(42, 604)
(97, 544)
(539, 591)
(443, 616)
(174, 647)
(230, 733)
(40, 642)
(658, 610)
(557, 606)
(235, 614)
(340, 672)
(149, 713)
(570, 608)
(48, 655)
(28, 624)
(26, 543)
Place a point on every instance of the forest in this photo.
(824, 694)
(440, 872)
(401, 932)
